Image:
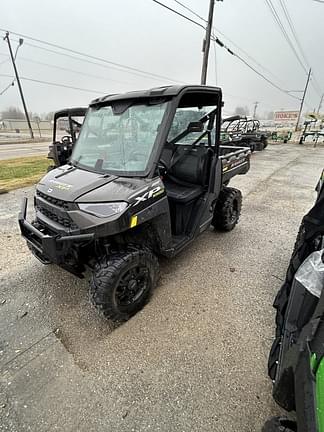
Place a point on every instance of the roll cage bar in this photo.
(69, 113)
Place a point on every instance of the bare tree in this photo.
(242, 111)
(48, 116)
(12, 113)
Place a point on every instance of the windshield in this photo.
(119, 138)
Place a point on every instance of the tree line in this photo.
(15, 113)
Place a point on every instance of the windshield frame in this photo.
(161, 141)
(154, 149)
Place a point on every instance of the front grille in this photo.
(65, 221)
(59, 203)
(55, 210)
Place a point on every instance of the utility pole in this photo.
(19, 85)
(206, 43)
(303, 98)
(255, 108)
(320, 104)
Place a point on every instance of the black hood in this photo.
(68, 183)
(71, 184)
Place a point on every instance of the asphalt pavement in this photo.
(16, 150)
(194, 359)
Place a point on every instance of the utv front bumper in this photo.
(48, 247)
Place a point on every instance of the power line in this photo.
(220, 43)
(230, 40)
(265, 78)
(284, 32)
(134, 70)
(253, 69)
(190, 10)
(226, 37)
(71, 70)
(294, 33)
(130, 68)
(293, 30)
(55, 84)
(179, 13)
(103, 65)
(247, 54)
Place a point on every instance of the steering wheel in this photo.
(66, 139)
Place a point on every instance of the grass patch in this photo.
(21, 172)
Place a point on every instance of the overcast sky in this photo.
(141, 34)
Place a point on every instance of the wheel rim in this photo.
(132, 285)
(234, 211)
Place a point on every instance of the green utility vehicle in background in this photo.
(296, 360)
(281, 135)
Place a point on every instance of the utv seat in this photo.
(187, 177)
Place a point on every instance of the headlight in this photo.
(103, 209)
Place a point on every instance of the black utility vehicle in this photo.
(145, 178)
(67, 125)
(296, 360)
(241, 131)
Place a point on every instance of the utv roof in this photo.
(173, 90)
(78, 111)
(234, 118)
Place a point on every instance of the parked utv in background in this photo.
(241, 131)
(281, 135)
(296, 360)
(147, 175)
(311, 132)
(66, 128)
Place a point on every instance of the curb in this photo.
(27, 141)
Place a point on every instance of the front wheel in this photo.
(228, 209)
(121, 284)
(260, 146)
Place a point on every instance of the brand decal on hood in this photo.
(59, 185)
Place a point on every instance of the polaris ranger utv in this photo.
(241, 131)
(145, 178)
(61, 148)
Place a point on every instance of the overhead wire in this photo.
(299, 45)
(55, 84)
(255, 70)
(190, 10)
(71, 70)
(82, 54)
(139, 71)
(278, 21)
(85, 60)
(230, 40)
(230, 51)
(179, 13)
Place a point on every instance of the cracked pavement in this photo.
(194, 359)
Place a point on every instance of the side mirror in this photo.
(195, 127)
